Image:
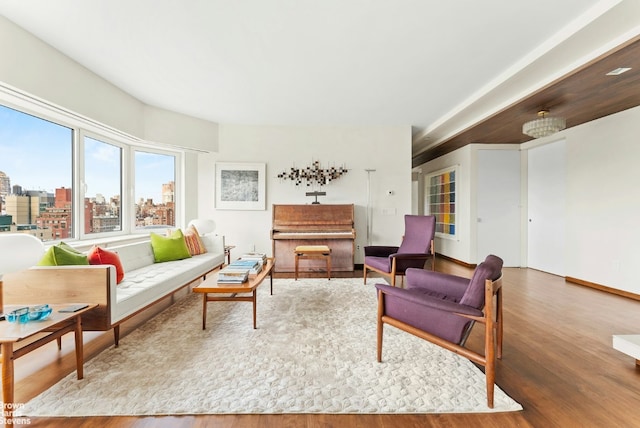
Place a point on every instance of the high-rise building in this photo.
(168, 192)
(88, 215)
(64, 198)
(5, 184)
(164, 215)
(24, 209)
(106, 223)
(57, 220)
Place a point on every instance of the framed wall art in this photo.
(441, 200)
(240, 186)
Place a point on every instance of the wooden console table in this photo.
(53, 327)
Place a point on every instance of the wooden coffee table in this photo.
(53, 327)
(211, 290)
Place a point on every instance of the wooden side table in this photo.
(54, 327)
(303, 252)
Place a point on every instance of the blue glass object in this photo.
(27, 314)
(20, 315)
(39, 312)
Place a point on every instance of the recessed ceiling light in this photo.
(618, 71)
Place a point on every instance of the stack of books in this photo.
(261, 257)
(232, 276)
(254, 266)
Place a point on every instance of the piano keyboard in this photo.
(312, 233)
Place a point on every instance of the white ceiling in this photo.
(308, 62)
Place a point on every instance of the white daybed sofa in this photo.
(145, 282)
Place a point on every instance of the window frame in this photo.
(177, 185)
(82, 126)
(82, 185)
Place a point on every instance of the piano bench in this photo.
(303, 252)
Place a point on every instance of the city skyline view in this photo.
(37, 155)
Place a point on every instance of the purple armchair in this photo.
(442, 309)
(416, 248)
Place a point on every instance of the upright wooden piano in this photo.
(313, 224)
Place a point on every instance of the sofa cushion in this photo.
(193, 241)
(99, 256)
(148, 283)
(68, 247)
(166, 249)
(58, 256)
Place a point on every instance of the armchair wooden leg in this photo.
(432, 249)
(499, 324)
(491, 378)
(490, 362)
(394, 269)
(365, 275)
(380, 324)
(490, 332)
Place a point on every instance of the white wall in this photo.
(603, 201)
(164, 126)
(385, 149)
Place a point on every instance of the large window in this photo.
(154, 190)
(72, 179)
(102, 186)
(36, 176)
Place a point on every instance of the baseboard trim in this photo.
(602, 288)
(456, 261)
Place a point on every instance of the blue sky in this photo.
(36, 154)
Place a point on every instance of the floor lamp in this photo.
(369, 206)
(19, 252)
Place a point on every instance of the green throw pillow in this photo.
(166, 249)
(58, 256)
(68, 247)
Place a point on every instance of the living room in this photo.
(600, 178)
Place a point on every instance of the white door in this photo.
(546, 212)
(498, 206)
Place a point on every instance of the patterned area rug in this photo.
(314, 351)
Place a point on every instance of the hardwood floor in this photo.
(558, 363)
